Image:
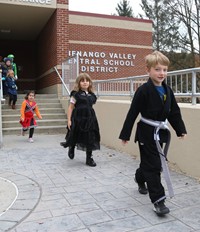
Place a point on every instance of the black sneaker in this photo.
(142, 189)
(160, 208)
(63, 144)
(90, 162)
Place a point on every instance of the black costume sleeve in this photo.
(175, 118)
(135, 109)
(73, 93)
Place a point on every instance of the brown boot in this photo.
(13, 107)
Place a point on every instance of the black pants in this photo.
(150, 171)
(12, 99)
(31, 131)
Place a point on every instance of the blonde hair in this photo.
(83, 76)
(10, 71)
(156, 57)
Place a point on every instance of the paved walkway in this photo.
(42, 190)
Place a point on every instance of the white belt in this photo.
(158, 124)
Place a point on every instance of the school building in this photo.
(42, 34)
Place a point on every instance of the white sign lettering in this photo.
(101, 61)
(42, 3)
(46, 2)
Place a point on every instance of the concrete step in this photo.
(51, 100)
(39, 130)
(40, 105)
(16, 117)
(42, 111)
(43, 122)
(39, 96)
(54, 117)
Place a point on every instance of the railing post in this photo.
(1, 98)
(98, 89)
(194, 85)
(131, 88)
(77, 64)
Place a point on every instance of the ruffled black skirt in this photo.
(84, 132)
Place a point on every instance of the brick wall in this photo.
(47, 46)
(62, 35)
(67, 31)
(127, 68)
(52, 45)
(115, 37)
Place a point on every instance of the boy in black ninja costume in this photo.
(156, 103)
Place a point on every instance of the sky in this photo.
(102, 6)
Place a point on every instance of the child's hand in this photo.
(69, 123)
(182, 136)
(40, 117)
(124, 142)
(22, 119)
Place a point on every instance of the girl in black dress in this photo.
(83, 128)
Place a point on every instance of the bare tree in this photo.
(176, 26)
(187, 13)
(165, 26)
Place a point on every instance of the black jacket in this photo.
(148, 103)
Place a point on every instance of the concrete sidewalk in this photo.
(48, 192)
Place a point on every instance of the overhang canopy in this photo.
(22, 22)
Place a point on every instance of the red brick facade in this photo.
(52, 46)
(117, 45)
(121, 42)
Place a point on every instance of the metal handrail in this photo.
(68, 91)
(183, 83)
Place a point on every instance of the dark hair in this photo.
(28, 93)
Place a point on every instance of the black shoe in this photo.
(142, 189)
(71, 152)
(160, 208)
(90, 162)
(63, 144)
